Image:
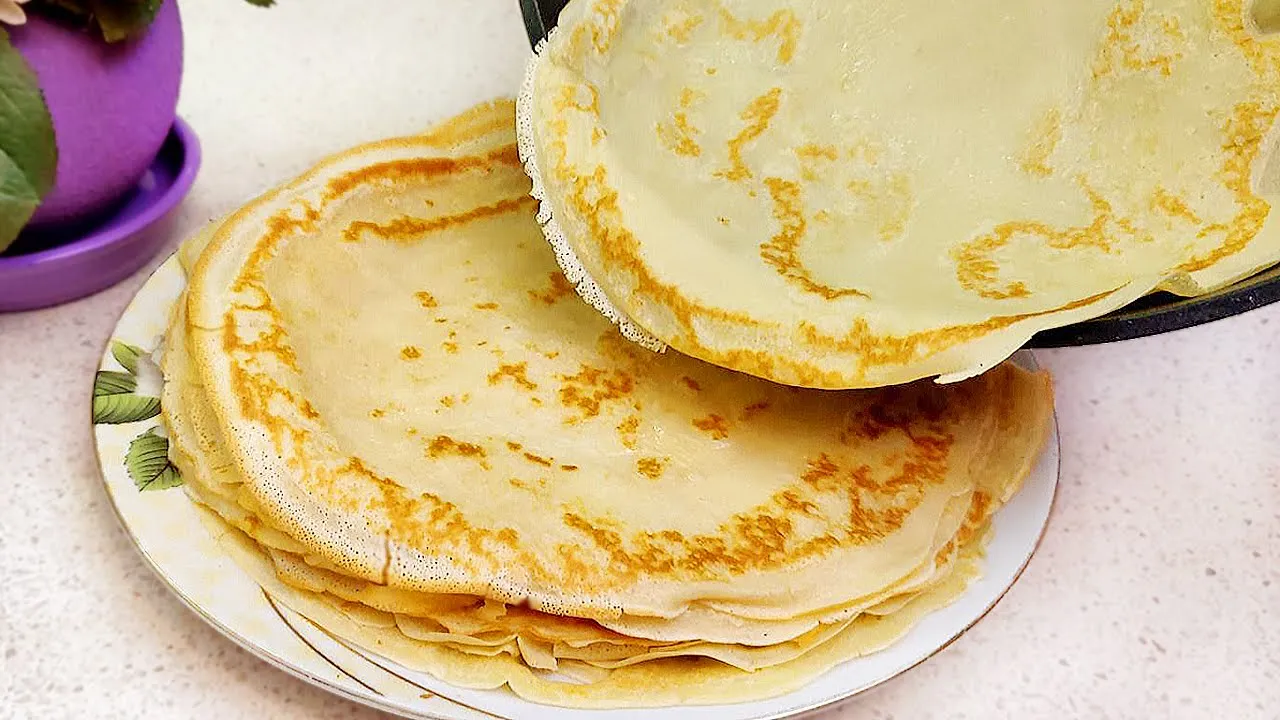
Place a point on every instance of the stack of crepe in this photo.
(397, 415)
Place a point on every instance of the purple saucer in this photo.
(42, 270)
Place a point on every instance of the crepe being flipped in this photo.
(383, 386)
(858, 194)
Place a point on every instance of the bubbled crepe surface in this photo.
(852, 195)
(502, 447)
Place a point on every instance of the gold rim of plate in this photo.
(326, 661)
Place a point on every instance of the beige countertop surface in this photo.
(1155, 593)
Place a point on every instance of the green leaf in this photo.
(148, 463)
(113, 400)
(110, 382)
(127, 355)
(28, 155)
(124, 408)
(123, 19)
(69, 13)
(116, 20)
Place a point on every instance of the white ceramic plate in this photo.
(163, 523)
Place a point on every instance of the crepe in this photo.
(479, 431)
(404, 425)
(659, 682)
(213, 482)
(474, 625)
(857, 194)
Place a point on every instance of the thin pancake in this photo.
(503, 441)
(200, 457)
(659, 682)
(201, 460)
(857, 194)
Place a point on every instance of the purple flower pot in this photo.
(46, 268)
(112, 105)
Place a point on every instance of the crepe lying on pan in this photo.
(387, 395)
(862, 193)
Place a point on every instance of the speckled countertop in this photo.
(1156, 593)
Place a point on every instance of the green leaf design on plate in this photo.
(127, 355)
(28, 155)
(124, 408)
(148, 462)
(114, 402)
(110, 382)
